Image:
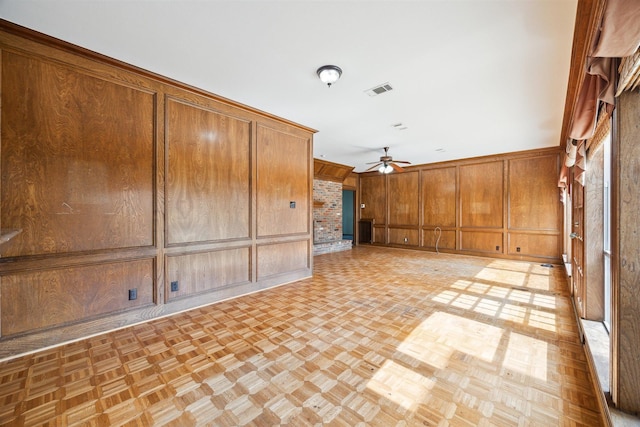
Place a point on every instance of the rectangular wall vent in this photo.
(377, 90)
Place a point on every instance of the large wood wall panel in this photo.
(594, 237)
(534, 200)
(439, 197)
(208, 175)
(625, 336)
(284, 172)
(444, 239)
(405, 206)
(42, 299)
(538, 245)
(481, 241)
(207, 271)
(481, 194)
(397, 236)
(373, 196)
(380, 234)
(283, 257)
(77, 159)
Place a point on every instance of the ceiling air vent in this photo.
(377, 90)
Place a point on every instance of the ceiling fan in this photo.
(386, 164)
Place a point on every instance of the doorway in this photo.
(348, 214)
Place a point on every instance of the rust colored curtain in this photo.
(581, 164)
(618, 36)
(584, 118)
(571, 152)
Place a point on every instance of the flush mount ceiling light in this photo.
(329, 74)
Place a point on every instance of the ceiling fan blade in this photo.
(374, 166)
(401, 161)
(396, 167)
(370, 163)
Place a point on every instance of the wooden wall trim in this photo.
(329, 171)
(351, 181)
(588, 17)
(479, 159)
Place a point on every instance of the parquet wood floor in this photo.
(378, 336)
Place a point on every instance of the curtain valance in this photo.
(617, 36)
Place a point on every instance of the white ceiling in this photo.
(470, 77)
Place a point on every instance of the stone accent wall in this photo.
(327, 211)
(339, 246)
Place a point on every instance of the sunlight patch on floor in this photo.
(442, 334)
(502, 264)
(526, 355)
(513, 313)
(542, 320)
(445, 297)
(498, 293)
(546, 301)
(518, 274)
(401, 385)
(487, 306)
(465, 301)
(520, 296)
(538, 282)
(512, 278)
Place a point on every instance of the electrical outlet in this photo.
(497, 248)
(518, 249)
(174, 286)
(133, 294)
(406, 240)
(361, 205)
(292, 205)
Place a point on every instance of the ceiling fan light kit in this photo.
(386, 164)
(385, 168)
(329, 74)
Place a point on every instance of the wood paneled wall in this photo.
(59, 126)
(373, 195)
(594, 237)
(202, 145)
(284, 175)
(533, 207)
(504, 206)
(481, 195)
(406, 210)
(123, 182)
(625, 251)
